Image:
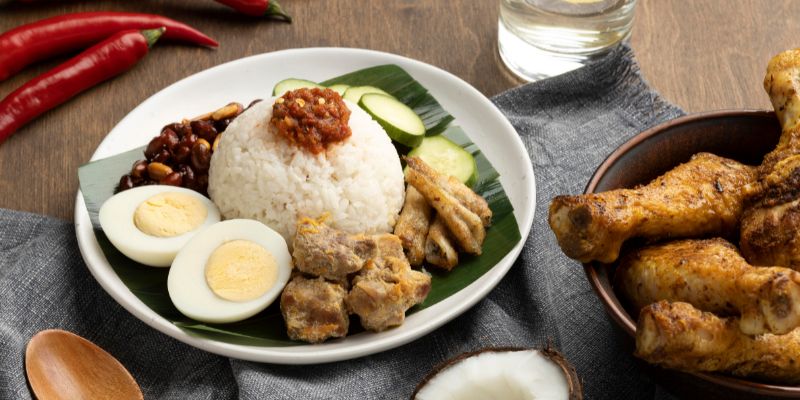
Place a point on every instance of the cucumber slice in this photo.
(448, 158)
(401, 123)
(340, 88)
(354, 93)
(292, 84)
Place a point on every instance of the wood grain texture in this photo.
(61, 365)
(702, 55)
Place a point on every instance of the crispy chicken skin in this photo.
(384, 289)
(314, 309)
(450, 184)
(677, 335)
(320, 250)
(465, 213)
(712, 276)
(771, 222)
(439, 250)
(412, 225)
(701, 197)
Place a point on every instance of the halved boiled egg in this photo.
(229, 271)
(149, 224)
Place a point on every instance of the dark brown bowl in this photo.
(745, 136)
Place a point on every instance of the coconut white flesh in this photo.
(509, 375)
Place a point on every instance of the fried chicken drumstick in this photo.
(677, 335)
(712, 276)
(770, 225)
(701, 197)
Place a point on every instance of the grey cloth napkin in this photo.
(569, 124)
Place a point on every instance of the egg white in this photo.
(116, 219)
(187, 285)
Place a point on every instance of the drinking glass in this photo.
(543, 38)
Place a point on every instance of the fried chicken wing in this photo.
(471, 200)
(701, 197)
(314, 309)
(413, 224)
(677, 335)
(439, 250)
(712, 276)
(771, 222)
(444, 195)
(320, 250)
(384, 290)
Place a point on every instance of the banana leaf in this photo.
(397, 82)
(99, 178)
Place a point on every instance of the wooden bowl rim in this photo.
(618, 314)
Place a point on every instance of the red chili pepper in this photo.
(43, 39)
(258, 8)
(98, 63)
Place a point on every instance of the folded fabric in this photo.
(569, 124)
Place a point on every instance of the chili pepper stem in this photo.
(152, 35)
(275, 11)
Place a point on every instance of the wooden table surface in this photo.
(701, 55)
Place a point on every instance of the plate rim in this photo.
(104, 274)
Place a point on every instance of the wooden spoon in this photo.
(63, 365)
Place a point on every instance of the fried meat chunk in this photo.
(314, 309)
(384, 290)
(320, 250)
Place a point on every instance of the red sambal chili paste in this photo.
(311, 118)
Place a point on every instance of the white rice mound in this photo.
(257, 174)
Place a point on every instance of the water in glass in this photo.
(543, 38)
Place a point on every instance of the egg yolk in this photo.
(241, 270)
(169, 214)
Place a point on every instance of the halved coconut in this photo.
(502, 373)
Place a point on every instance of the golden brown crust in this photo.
(465, 213)
(772, 220)
(320, 250)
(679, 336)
(699, 198)
(384, 290)
(712, 276)
(439, 250)
(314, 309)
(412, 225)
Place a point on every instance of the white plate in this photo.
(253, 77)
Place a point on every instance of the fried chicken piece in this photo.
(712, 276)
(439, 250)
(679, 336)
(388, 245)
(412, 225)
(701, 197)
(314, 309)
(384, 289)
(772, 220)
(466, 196)
(465, 213)
(320, 250)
